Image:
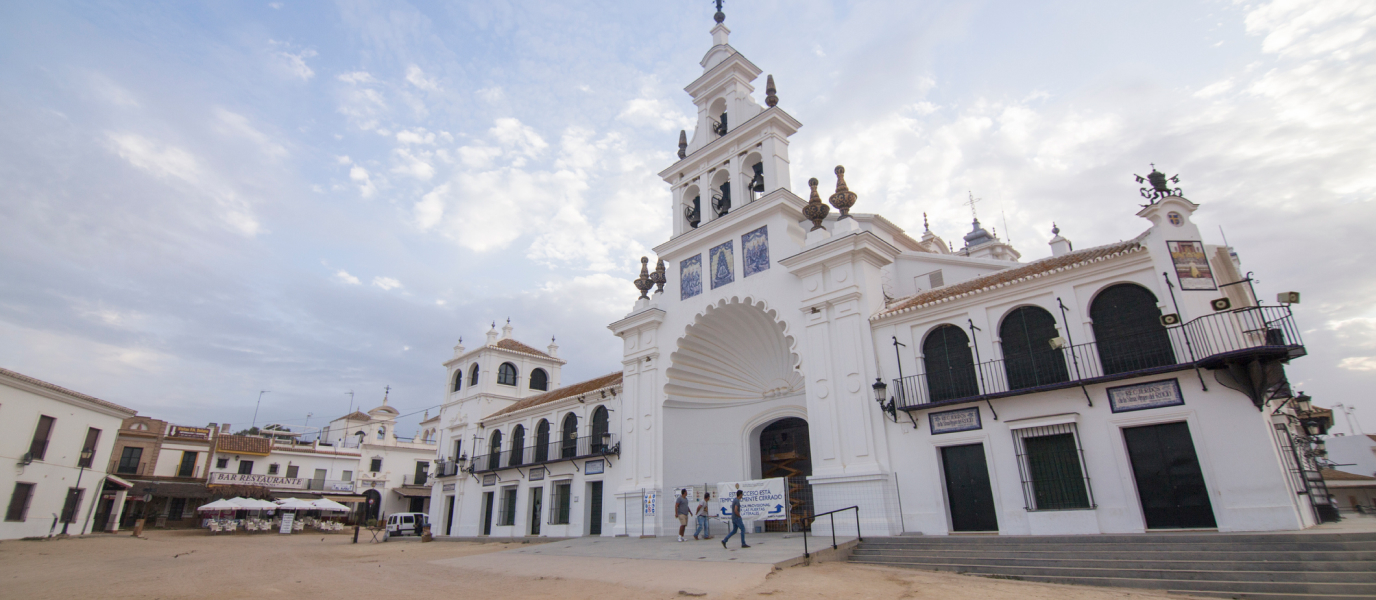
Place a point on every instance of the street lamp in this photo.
(1303, 403)
(86, 454)
(881, 396)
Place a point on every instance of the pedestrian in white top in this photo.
(681, 511)
(703, 517)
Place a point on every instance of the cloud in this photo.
(237, 125)
(417, 78)
(356, 77)
(515, 135)
(364, 181)
(1358, 363)
(293, 63)
(177, 165)
(417, 136)
(413, 164)
(343, 276)
(386, 283)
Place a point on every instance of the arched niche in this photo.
(691, 207)
(719, 192)
(718, 118)
(752, 176)
(734, 353)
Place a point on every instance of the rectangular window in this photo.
(422, 468)
(1051, 463)
(245, 467)
(38, 448)
(563, 497)
(376, 465)
(272, 469)
(92, 436)
(347, 476)
(293, 471)
(222, 463)
(129, 459)
(458, 448)
(19, 502)
(175, 509)
(507, 517)
(188, 466)
(318, 480)
(72, 505)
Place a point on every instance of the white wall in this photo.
(21, 404)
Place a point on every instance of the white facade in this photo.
(766, 314)
(383, 461)
(41, 480)
(1353, 453)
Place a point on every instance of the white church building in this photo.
(1125, 387)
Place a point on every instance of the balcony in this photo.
(1210, 342)
(330, 485)
(446, 468)
(538, 454)
(418, 479)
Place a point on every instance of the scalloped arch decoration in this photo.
(735, 352)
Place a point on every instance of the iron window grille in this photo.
(1052, 466)
(129, 460)
(562, 499)
(506, 374)
(72, 505)
(38, 448)
(506, 515)
(222, 463)
(19, 502)
(376, 465)
(92, 436)
(188, 466)
(272, 469)
(539, 380)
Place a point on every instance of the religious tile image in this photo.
(690, 277)
(722, 264)
(755, 247)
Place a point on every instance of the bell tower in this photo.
(738, 151)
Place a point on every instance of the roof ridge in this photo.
(582, 387)
(1032, 270)
(57, 388)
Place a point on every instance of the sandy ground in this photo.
(192, 564)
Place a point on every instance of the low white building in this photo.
(59, 442)
(1353, 453)
(391, 471)
(1125, 387)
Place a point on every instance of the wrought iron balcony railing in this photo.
(536, 454)
(1207, 342)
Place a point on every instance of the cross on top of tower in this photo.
(971, 203)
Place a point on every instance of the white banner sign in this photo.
(287, 519)
(271, 481)
(762, 500)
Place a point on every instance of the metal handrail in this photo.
(832, 514)
(1210, 339)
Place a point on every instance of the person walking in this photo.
(736, 523)
(702, 514)
(681, 511)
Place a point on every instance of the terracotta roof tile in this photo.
(358, 415)
(567, 391)
(1336, 475)
(515, 346)
(243, 444)
(1029, 270)
(58, 388)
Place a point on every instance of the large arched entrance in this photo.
(732, 374)
(785, 451)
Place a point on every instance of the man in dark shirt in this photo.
(736, 523)
(682, 512)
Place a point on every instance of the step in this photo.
(1110, 538)
(1368, 568)
(1096, 548)
(1229, 587)
(1277, 576)
(1241, 556)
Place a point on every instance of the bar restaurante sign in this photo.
(270, 481)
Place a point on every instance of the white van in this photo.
(405, 523)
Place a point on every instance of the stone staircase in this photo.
(1271, 566)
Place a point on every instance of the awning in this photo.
(413, 491)
(347, 499)
(173, 489)
(119, 482)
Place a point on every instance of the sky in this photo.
(204, 201)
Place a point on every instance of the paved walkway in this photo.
(660, 564)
